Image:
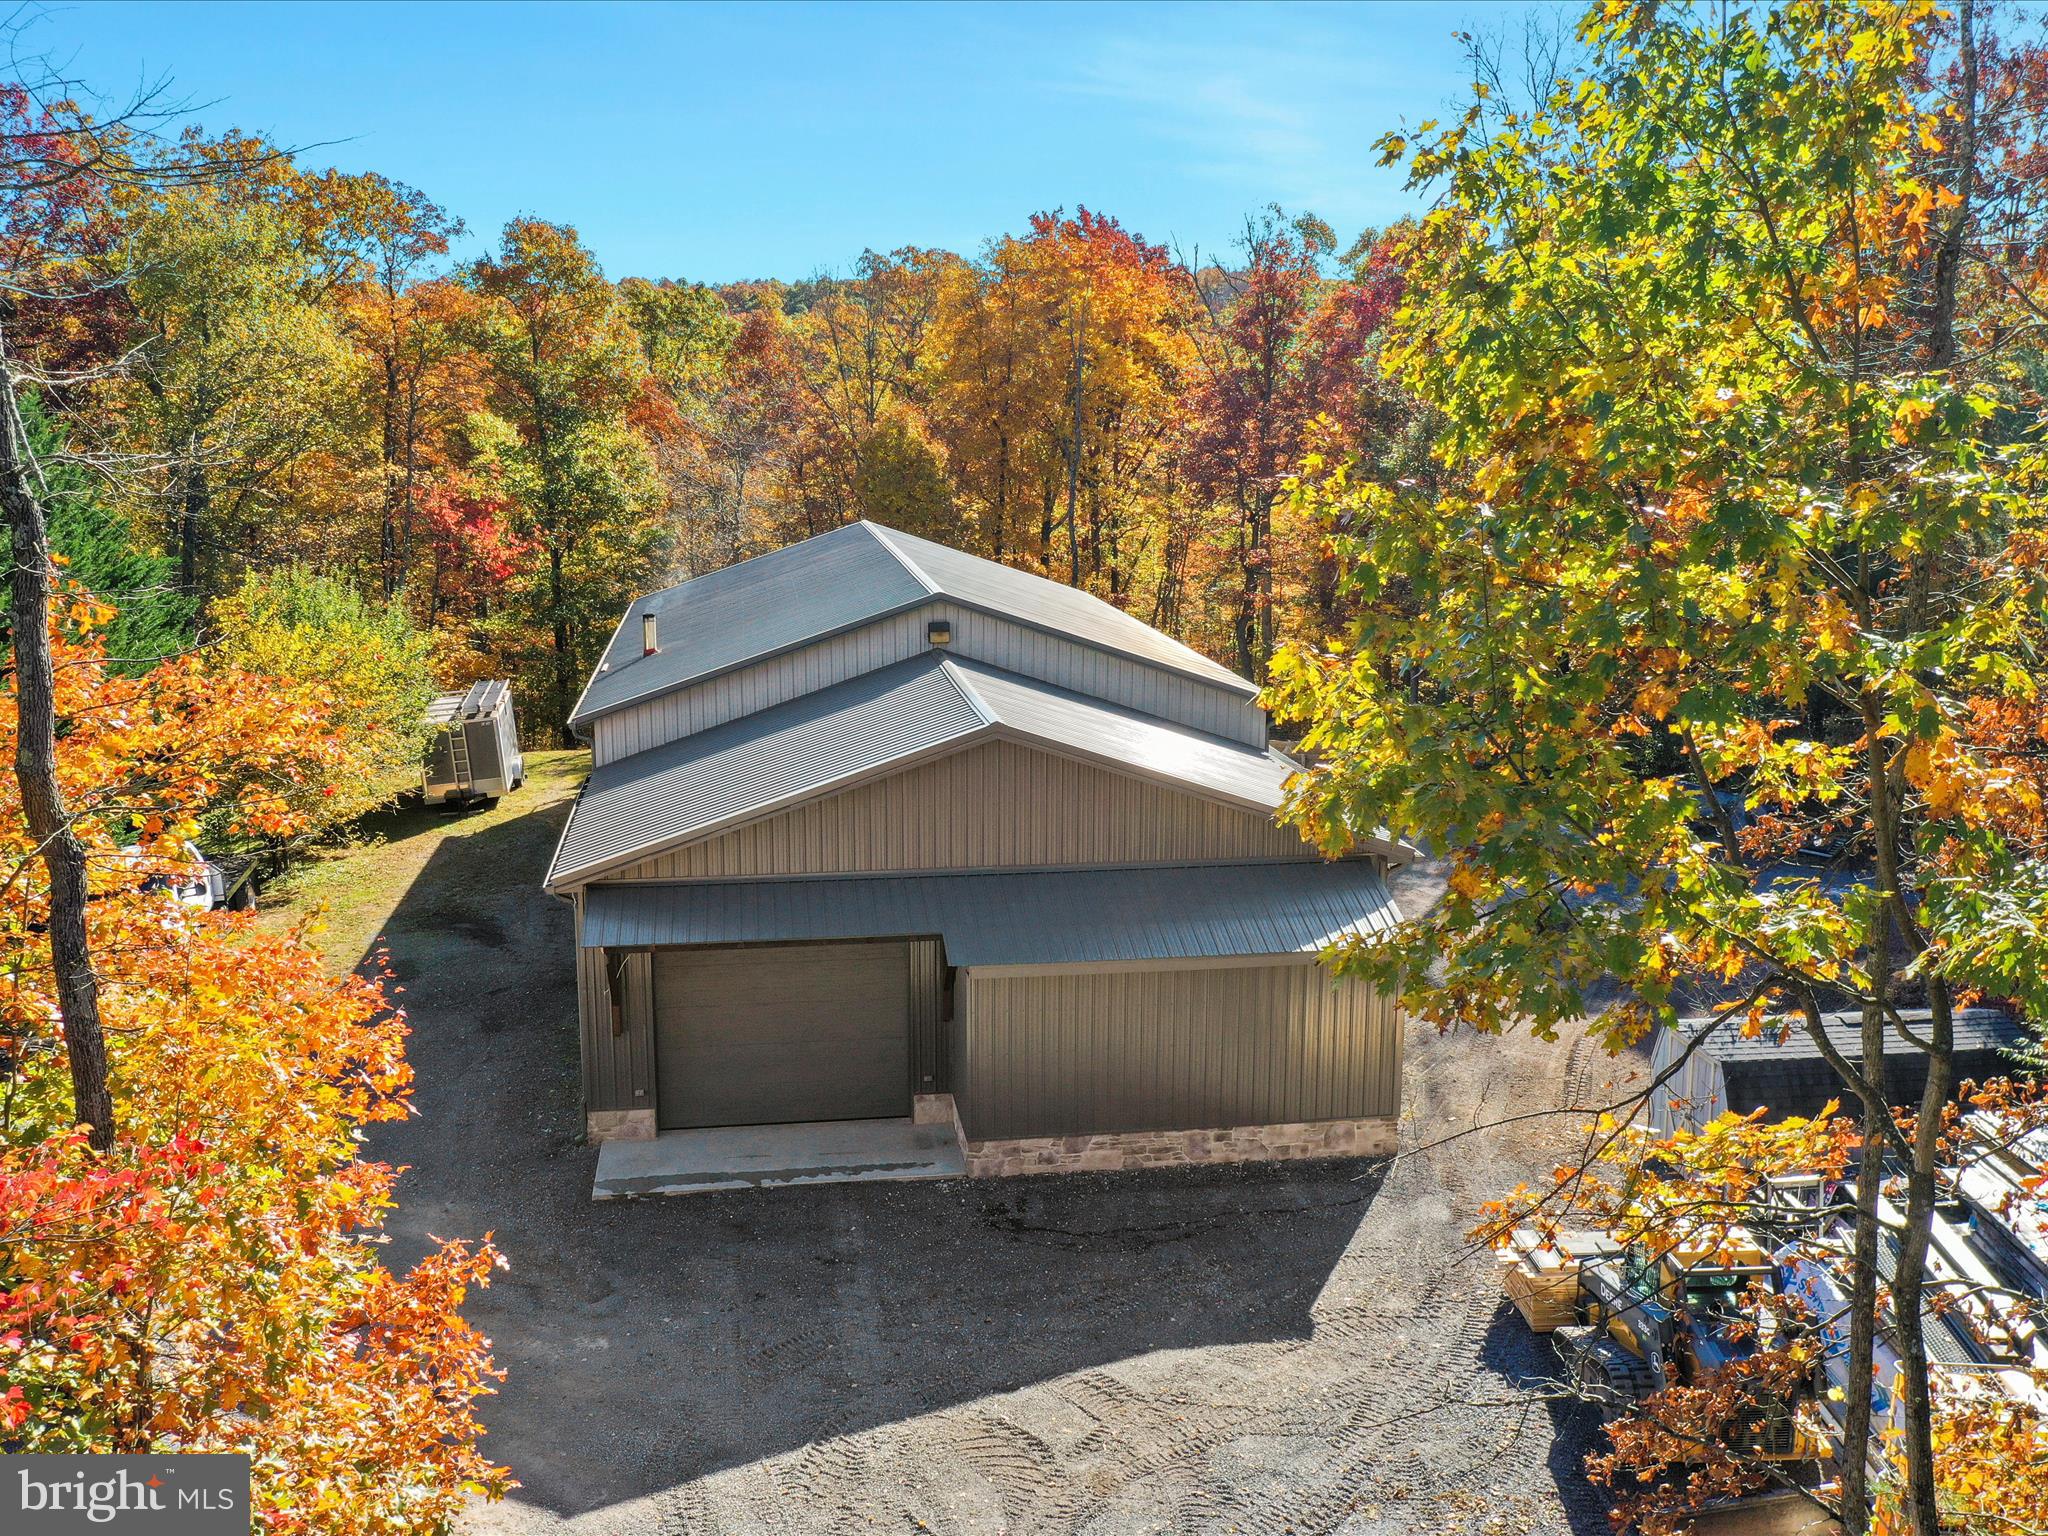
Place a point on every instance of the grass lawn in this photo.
(350, 888)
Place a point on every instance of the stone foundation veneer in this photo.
(1173, 1149)
(620, 1125)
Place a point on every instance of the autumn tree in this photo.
(408, 329)
(730, 378)
(183, 1214)
(1283, 367)
(197, 1278)
(566, 376)
(1720, 343)
(240, 367)
(363, 657)
(859, 348)
(998, 382)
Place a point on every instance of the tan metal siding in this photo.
(993, 806)
(981, 636)
(618, 1070)
(1075, 1052)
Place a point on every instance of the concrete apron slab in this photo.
(770, 1156)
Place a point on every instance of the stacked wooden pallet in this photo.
(1541, 1275)
(1734, 1249)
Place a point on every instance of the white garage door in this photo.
(788, 1032)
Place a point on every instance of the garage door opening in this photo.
(781, 1033)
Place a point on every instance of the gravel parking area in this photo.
(1306, 1347)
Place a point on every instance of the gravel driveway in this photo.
(1302, 1347)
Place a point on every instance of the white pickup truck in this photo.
(207, 883)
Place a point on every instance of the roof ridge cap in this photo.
(881, 536)
(963, 684)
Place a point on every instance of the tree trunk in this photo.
(1002, 517)
(1263, 545)
(1247, 585)
(1922, 1504)
(1895, 919)
(1863, 1280)
(35, 767)
(387, 550)
(192, 500)
(565, 661)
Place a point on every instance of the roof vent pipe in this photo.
(647, 642)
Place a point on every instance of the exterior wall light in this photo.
(939, 631)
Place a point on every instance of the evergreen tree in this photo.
(98, 544)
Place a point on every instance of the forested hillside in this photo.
(508, 448)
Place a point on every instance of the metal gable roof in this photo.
(1252, 777)
(1028, 917)
(746, 611)
(692, 786)
(1789, 1076)
(700, 784)
(1976, 1029)
(840, 580)
(1052, 605)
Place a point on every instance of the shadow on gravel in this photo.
(648, 1343)
(1526, 1362)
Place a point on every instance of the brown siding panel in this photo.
(927, 1027)
(996, 805)
(618, 1070)
(1076, 1052)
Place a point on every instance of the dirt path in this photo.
(1301, 1348)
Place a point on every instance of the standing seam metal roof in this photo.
(695, 785)
(979, 583)
(1975, 1029)
(689, 786)
(1028, 917)
(1253, 777)
(840, 580)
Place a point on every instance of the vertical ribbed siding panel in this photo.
(995, 805)
(927, 1028)
(886, 641)
(590, 1009)
(618, 1070)
(1067, 1053)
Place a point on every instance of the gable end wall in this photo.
(993, 806)
(980, 636)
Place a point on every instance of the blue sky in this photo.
(716, 142)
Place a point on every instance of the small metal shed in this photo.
(474, 751)
(1782, 1070)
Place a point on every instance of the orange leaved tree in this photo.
(209, 1280)
(186, 1228)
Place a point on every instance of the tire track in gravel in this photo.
(1298, 1350)
(1372, 1411)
